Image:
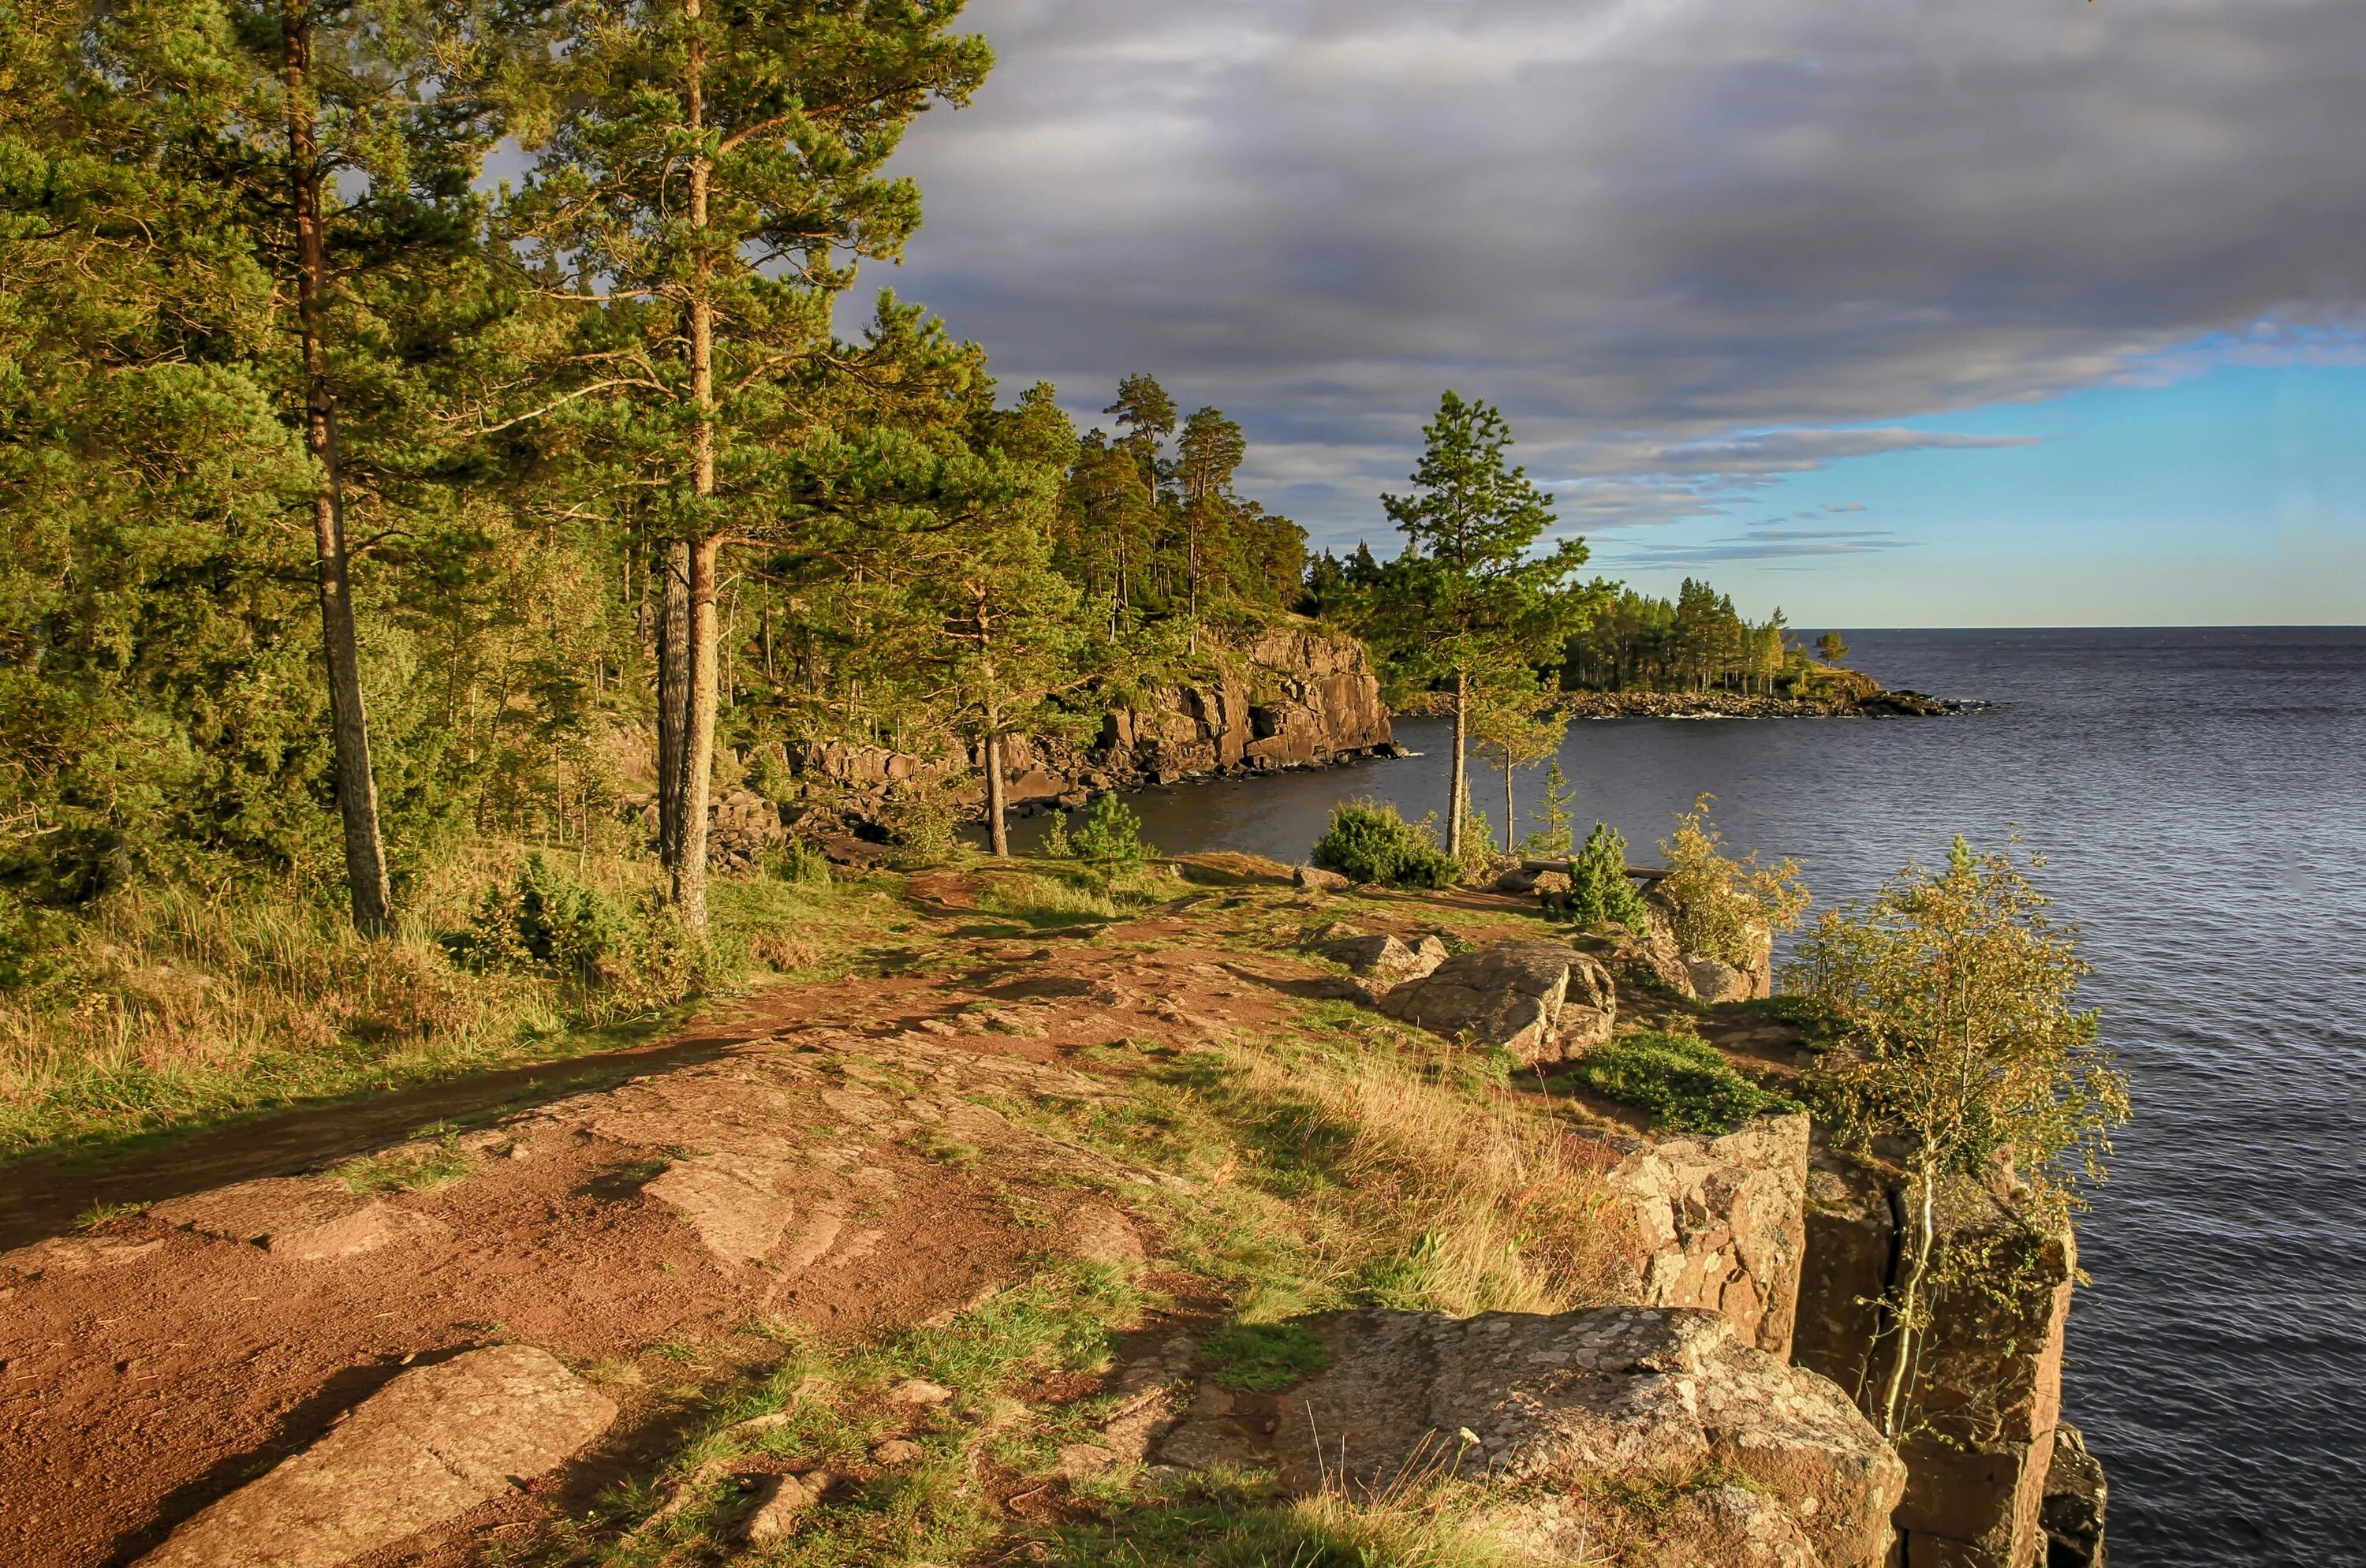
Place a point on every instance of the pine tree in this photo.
(1209, 453)
(1466, 596)
(711, 174)
(1554, 838)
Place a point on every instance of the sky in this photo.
(1893, 312)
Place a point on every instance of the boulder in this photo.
(1314, 879)
(1715, 982)
(1538, 999)
(1517, 880)
(1385, 959)
(420, 1452)
(1553, 1406)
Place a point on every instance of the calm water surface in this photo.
(2202, 796)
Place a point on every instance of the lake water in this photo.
(2202, 798)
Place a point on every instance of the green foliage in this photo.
(1554, 838)
(1111, 837)
(1056, 845)
(1633, 641)
(1258, 1357)
(1600, 891)
(799, 863)
(1681, 1079)
(1956, 997)
(1468, 595)
(1723, 908)
(1367, 842)
(546, 922)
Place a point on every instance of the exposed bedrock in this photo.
(1988, 1398)
(1719, 1224)
(1540, 1000)
(1553, 1406)
(1299, 695)
(422, 1450)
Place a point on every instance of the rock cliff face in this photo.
(1720, 1224)
(1991, 1370)
(1550, 1405)
(1298, 696)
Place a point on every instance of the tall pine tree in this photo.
(1467, 598)
(711, 173)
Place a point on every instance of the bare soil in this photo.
(148, 1369)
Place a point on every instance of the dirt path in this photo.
(825, 1156)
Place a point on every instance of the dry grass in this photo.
(1505, 1210)
(166, 1006)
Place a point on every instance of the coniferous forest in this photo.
(427, 441)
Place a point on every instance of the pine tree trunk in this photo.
(1507, 803)
(698, 759)
(365, 877)
(1459, 796)
(698, 763)
(997, 805)
(673, 702)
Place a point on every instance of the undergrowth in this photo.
(165, 1006)
(1682, 1079)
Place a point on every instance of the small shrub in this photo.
(1367, 842)
(1109, 838)
(546, 922)
(1600, 892)
(800, 864)
(920, 818)
(1257, 1358)
(1724, 909)
(1555, 838)
(1680, 1079)
(1055, 845)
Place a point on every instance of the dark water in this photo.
(2202, 796)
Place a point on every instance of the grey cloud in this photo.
(1687, 245)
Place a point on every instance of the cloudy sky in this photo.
(1893, 311)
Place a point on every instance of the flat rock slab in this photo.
(420, 1452)
(1540, 1000)
(1549, 1404)
(306, 1218)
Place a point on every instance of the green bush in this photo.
(547, 922)
(1367, 842)
(1680, 1079)
(1600, 892)
(799, 863)
(1111, 837)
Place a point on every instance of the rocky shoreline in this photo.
(1878, 704)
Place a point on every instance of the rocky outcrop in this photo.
(1554, 1405)
(1297, 696)
(420, 1452)
(1383, 959)
(1841, 694)
(1719, 1225)
(2077, 1497)
(1989, 1389)
(1540, 1000)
